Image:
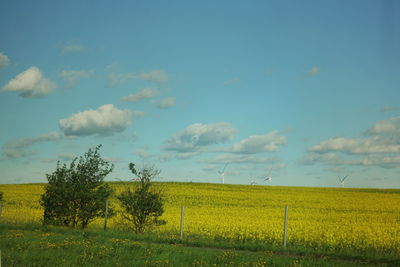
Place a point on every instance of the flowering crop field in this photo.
(332, 219)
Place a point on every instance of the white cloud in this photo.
(196, 136)
(115, 78)
(166, 103)
(389, 126)
(73, 48)
(259, 143)
(380, 146)
(4, 60)
(313, 71)
(19, 148)
(143, 153)
(374, 144)
(142, 94)
(71, 77)
(106, 120)
(240, 159)
(327, 158)
(30, 83)
(387, 162)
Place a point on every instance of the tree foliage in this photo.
(144, 205)
(76, 195)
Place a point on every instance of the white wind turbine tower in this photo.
(222, 173)
(341, 180)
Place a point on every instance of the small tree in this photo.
(76, 195)
(144, 205)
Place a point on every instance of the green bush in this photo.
(76, 195)
(143, 206)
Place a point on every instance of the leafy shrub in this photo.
(76, 195)
(144, 205)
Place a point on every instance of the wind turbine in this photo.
(268, 178)
(252, 180)
(222, 173)
(341, 180)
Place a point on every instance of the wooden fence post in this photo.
(285, 224)
(106, 216)
(182, 221)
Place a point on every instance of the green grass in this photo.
(36, 245)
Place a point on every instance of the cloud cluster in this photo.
(19, 148)
(71, 77)
(4, 60)
(197, 136)
(105, 120)
(380, 146)
(30, 84)
(142, 94)
(269, 142)
(166, 103)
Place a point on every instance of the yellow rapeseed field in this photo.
(333, 218)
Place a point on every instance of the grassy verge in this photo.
(35, 245)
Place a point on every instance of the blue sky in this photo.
(304, 90)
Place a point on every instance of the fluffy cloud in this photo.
(74, 48)
(71, 77)
(327, 158)
(30, 84)
(106, 120)
(259, 143)
(3, 60)
(389, 126)
(166, 103)
(197, 136)
(375, 144)
(379, 146)
(19, 148)
(142, 94)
